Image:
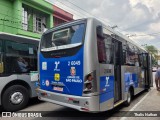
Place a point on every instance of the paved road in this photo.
(138, 104)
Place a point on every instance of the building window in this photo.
(39, 23)
(33, 20)
(24, 19)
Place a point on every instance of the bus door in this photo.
(147, 60)
(150, 75)
(117, 70)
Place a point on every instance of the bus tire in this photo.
(15, 98)
(129, 98)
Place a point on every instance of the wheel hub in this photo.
(16, 98)
(129, 97)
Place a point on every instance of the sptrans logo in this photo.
(56, 66)
(73, 71)
(107, 82)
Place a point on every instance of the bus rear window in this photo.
(60, 34)
(69, 37)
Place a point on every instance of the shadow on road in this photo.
(31, 102)
(34, 101)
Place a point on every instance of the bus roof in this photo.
(107, 26)
(121, 35)
(3, 33)
(18, 38)
(64, 24)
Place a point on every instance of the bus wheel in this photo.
(15, 98)
(129, 96)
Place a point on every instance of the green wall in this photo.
(11, 16)
(6, 16)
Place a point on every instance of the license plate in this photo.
(58, 89)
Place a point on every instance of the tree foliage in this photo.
(153, 51)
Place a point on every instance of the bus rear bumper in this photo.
(88, 104)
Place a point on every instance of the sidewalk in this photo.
(150, 102)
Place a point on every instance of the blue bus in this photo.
(88, 66)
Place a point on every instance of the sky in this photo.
(139, 19)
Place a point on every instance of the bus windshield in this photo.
(64, 38)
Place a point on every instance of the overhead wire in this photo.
(118, 28)
(147, 34)
(101, 19)
(72, 9)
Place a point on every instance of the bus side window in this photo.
(27, 51)
(101, 45)
(124, 54)
(101, 50)
(141, 59)
(131, 56)
(136, 59)
(109, 46)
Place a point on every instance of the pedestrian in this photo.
(157, 79)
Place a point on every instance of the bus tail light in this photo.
(84, 109)
(90, 84)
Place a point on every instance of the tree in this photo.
(151, 49)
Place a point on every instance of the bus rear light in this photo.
(84, 109)
(70, 99)
(44, 94)
(90, 83)
(89, 77)
(89, 86)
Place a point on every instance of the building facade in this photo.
(60, 16)
(25, 17)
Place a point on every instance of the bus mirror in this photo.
(99, 31)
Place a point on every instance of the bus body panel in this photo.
(106, 94)
(133, 77)
(31, 81)
(90, 50)
(62, 75)
(72, 101)
(91, 64)
(26, 78)
(124, 93)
